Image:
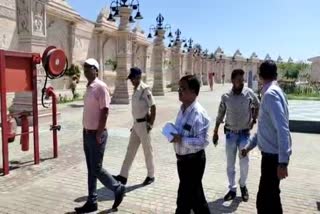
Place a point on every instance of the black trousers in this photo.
(268, 198)
(190, 194)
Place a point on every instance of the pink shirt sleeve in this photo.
(104, 98)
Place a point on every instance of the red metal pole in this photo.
(54, 124)
(35, 61)
(3, 97)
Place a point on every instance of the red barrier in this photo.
(54, 127)
(24, 140)
(18, 73)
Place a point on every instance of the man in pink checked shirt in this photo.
(95, 114)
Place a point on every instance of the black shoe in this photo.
(118, 196)
(244, 193)
(230, 196)
(148, 181)
(87, 208)
(121, 179)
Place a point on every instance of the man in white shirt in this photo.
(192, 125)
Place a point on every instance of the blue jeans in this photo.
(94, 153)
(236, 142)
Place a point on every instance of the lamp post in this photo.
(221, 68)
(158, 54)
(176, 59)
(198, 64)
(190, 58)
(205, 67)
(123, 10)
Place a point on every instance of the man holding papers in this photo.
(192, 125)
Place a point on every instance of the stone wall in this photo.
(8, 31)
(315, 71)
(8, 26)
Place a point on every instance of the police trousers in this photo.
(139, 135)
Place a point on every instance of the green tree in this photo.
(112, 63)
(291, 71)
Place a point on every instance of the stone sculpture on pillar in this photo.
(158, 55)
(124, 51)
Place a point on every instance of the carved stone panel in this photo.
(23, 13)
(3, 41)
(38, 18)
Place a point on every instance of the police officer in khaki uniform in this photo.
(144, 113)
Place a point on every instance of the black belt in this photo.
(265, 154)
(141, 120)
(189, 156)
(243, 131)
(91, 131)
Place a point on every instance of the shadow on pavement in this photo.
(108, 211)
(76, 105)
(105, 194)
(134, 187)
(13, 165)
(220, 206)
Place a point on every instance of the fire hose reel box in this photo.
(54, 61)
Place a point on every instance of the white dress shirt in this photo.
(193, 125)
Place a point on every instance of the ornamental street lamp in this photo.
(115, 10)
(158, 56)
(190, 58)
(177, 40)
(123, 9)
(176, 58)
(189, 44)
(159, 27)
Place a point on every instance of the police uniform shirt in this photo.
(142, 100)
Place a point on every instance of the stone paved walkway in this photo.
(58, 185)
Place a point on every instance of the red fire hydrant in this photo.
(24, 140)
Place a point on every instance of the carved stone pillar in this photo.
(190, 59)
(145, 60)
(134, 56)
(124, 51)
(158, 58)
(176, 64)
(223, 71)
(31, 26)
(100, 55)
(205, 67)
(198, 68)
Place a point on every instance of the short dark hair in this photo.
(268, 70)
(236, 72)
(193, 83)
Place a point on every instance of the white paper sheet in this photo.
(168, 129)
